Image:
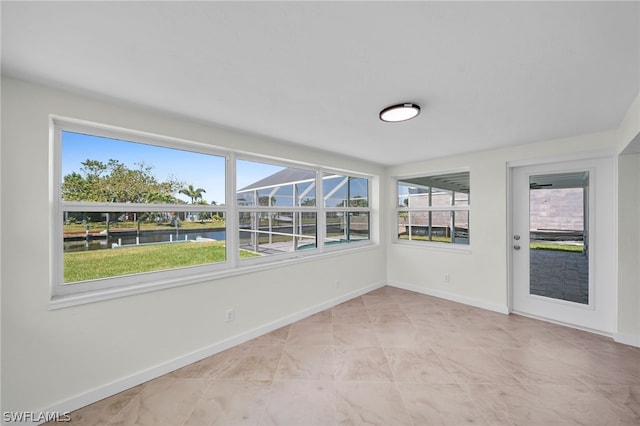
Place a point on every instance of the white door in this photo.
(562, 242)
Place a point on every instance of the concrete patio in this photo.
(560, 275)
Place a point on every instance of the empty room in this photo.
(320, 213)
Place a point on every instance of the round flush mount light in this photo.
(400, 112)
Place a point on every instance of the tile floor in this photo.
(393, 357)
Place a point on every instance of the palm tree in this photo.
(192, 193)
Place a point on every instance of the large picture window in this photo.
(136, 210)
(434, 208)
(132, 207)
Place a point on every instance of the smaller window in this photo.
(434, 208)
(276, 208)
(272, 232)
(346, 201)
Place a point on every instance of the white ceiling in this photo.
(487, 74)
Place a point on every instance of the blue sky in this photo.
(200, 170)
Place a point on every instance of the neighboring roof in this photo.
(284, 176)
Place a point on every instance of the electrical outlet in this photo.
(445, 278)
(229, 315)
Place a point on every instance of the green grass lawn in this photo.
(558, 247)
(95, 264)
(436, 238)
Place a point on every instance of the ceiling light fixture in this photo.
(400, 112)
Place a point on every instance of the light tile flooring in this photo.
(393, 357)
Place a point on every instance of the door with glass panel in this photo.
(561, 242)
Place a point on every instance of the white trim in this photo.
(321, 219)
(627, 339)
(132, 135)
(433, 245)
(232, 244)
(509, 223)
(561, 159)
(65, 301)
(56, 227)
(158, 370)
(502, 309)
(602, 302)
(276, 209)
(70, 294)
(86, 206)
(453, 246)
(434, 173)
(455, 207)
(564, 324)
(279, 161)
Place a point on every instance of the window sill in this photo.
(434, 246)
(82, 298)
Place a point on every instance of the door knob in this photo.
(516, 237)
(516, 247)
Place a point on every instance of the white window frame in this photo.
(63, 295)
(319, 209)
(347, 209)
(268, 209)
(452, 246)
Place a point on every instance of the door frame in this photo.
(613, 295)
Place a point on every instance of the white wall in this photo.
(629, 127)
(479, 277)
(629, 227)
(69, 357)
(77, 354)
(629, 249)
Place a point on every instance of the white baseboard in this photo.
(565, 324)
(627, 339)
(503, 309)
(153, 372)
(125, 383)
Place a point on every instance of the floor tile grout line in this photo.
(561, 336)
(273, 379)
(395, 384)
(109, 422)
(204, 392)
(472, 398)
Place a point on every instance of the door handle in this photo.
(516, 247)
(516, 237)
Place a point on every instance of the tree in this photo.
(75, 187)
(192, 193)
(357, 201)
(115, 182)
(155, 197)
(265, 200)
